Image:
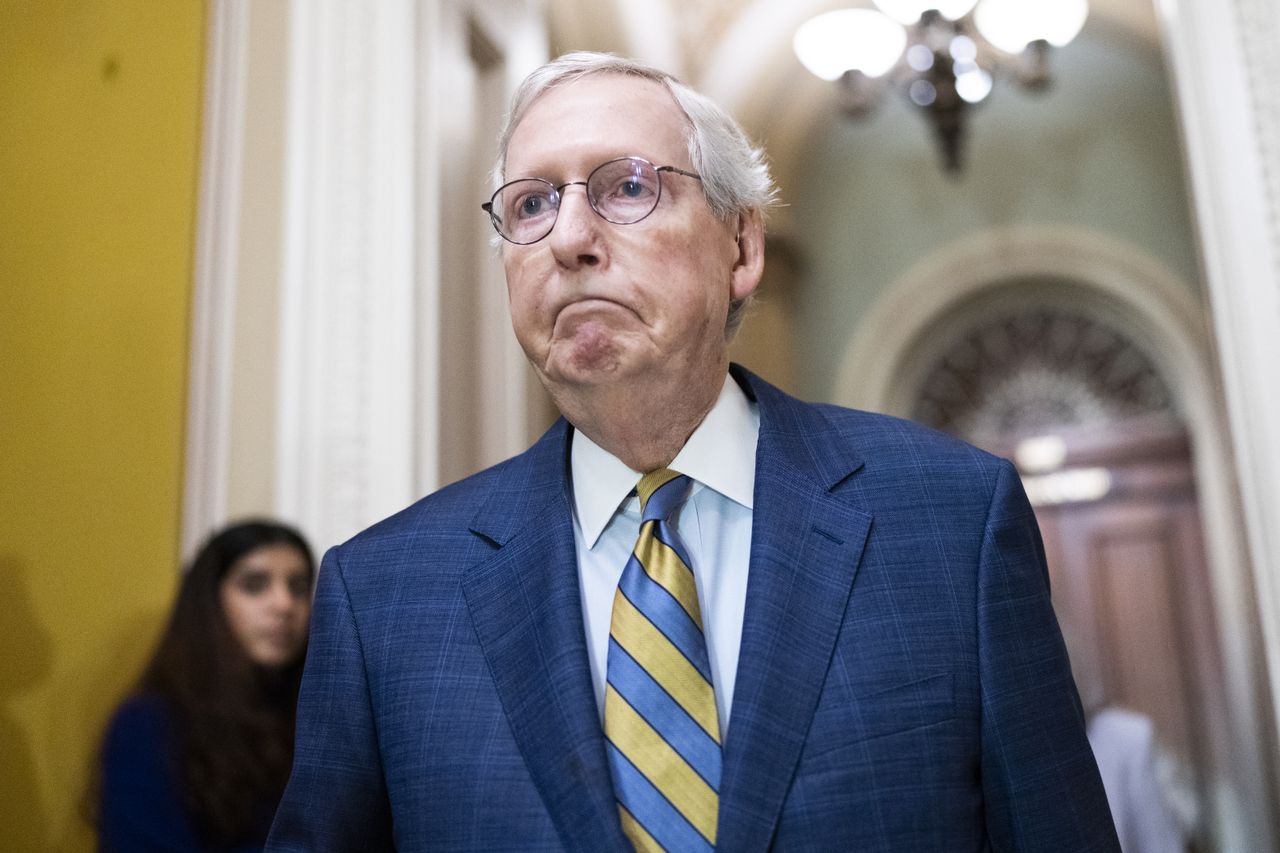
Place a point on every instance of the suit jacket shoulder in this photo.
(896, 460)
(450, 529)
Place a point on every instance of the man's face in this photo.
(594, 302)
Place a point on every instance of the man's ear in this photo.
(749, 265)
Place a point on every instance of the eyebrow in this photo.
(510, 175)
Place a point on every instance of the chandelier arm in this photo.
(947, 67)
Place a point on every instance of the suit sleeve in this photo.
(1040, 782)
(336, 799)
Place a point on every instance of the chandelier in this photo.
(943, 54)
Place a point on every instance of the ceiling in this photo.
(739, 52)
(688, 37)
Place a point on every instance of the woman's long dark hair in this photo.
(233, 720)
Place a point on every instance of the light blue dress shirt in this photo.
(715, 525)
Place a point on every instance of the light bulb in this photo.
(849, 40)
(919, 57)
(1011, 25)
(963, 49)
(922, 93)
(973, 85)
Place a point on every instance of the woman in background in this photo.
(197, 757)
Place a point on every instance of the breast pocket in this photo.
(864, 714)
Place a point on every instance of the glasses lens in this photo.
(525, 211)
(624, 191)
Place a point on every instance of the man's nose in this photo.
(575, 238)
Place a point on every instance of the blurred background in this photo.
(243, 270)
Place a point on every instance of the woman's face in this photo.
(266, 596)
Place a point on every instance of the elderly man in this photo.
(698, 613)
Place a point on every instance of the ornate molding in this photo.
(1140, 296)
(1260, 34)
(1016, 372)
(347, 373)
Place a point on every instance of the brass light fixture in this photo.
(943, 54)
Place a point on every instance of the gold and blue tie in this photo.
(660, 717)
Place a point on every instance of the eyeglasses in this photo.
(621, 191)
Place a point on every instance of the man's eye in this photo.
(630, 189)
(534, 204)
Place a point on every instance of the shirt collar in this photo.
(720, 455)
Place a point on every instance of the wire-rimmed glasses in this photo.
(622, 191)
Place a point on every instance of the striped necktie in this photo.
(660, 708)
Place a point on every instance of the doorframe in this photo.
(1115, 283)
(315, 383)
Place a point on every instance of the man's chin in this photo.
(584, 372)
(588, 358)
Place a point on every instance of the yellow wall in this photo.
(99, 135)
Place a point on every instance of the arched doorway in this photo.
(1096, 279)
(1106, 461)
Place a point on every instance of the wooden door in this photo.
(1130, 579)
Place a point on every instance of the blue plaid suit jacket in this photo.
(902, 682)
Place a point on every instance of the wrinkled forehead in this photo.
(584, 121)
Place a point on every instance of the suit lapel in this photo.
(526, 608)
(806, 545)
(527, 612)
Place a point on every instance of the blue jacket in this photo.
(142, 808)
(902, 682)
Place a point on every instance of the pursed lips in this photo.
(587, 305)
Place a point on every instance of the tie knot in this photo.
(661, 492)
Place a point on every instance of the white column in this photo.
(213, 292)
(1225, 66)
(337, 181)
(346, 428)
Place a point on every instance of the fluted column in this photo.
(1225, 69)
